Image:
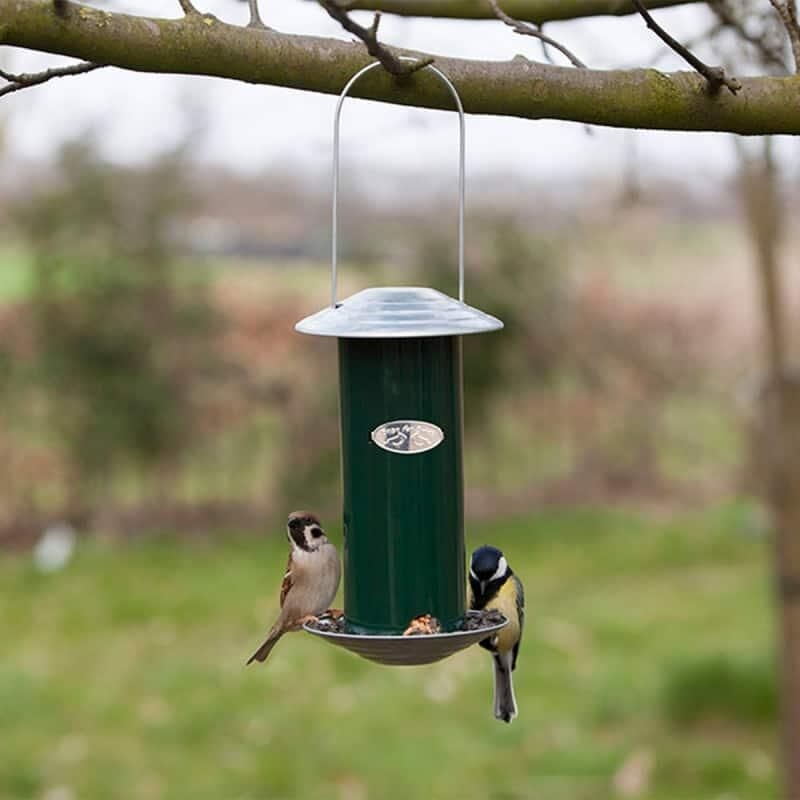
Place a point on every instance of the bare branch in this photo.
(255, 17)
(770, 54)
(716, 76)
(689, 44)
(536, 11)
(528, 29)
(24, 80)
(391, 63)
(787, 11)
(546, 54)
(187, 7)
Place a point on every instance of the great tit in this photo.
(494, 586)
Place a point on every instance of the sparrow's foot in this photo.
(334, 613)
(306, 619)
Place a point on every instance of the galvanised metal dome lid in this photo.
(394, 312)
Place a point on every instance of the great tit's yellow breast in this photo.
(505, 601)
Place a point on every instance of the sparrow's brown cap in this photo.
(304, 515)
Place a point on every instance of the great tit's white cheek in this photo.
(473, 575)
(502, 568)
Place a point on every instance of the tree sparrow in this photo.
(494, 586)
(311, 579)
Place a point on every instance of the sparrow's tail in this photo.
(505, 704)
(265, 649)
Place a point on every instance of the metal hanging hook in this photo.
(461, 169)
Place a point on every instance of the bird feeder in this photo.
(400, 384)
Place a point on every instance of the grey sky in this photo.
(249, 127)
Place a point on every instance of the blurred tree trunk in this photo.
(780, 442)
(782, 408)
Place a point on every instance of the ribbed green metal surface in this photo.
(403, 513)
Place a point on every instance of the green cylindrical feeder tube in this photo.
(400, 389)
(403, 511)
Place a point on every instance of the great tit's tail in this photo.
(505, 704)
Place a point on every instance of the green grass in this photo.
(123, 676)
(721, 687)
(15, 274)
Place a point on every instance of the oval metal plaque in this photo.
(407, 436)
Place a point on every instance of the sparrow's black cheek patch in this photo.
(316, 532)
(298, 538)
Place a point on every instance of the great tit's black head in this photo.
(488, 571)
(305, 530)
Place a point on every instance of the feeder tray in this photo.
(407, 651)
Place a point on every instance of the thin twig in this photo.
(187, 7)
(787, 11)
(529, 29)
(769, 55)
(546, 54)
(716, 76)
(369, 36)
(25, 80)
(705, 36)
(255, 17)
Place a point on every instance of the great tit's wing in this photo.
(287, 580)
(520, 598)
(472, 593)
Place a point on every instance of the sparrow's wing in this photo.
(287, 580)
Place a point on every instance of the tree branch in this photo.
(787, 11)
(536, 11)
(25, 80)
(187, 7)
(716, 76)
(192, 45)
(527, 29)
(391, 63)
